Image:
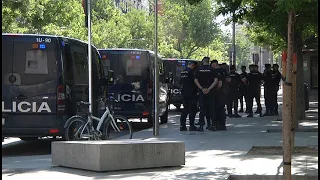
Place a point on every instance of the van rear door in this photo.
(34, 83)
(7, 76)
(131, 71)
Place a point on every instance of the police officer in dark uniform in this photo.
(220, 96)
(206, 79)
(243, 89)
(254, 80)
(225, 69)
(274, 88)
(266, 84)
(234, 81)
(189, 99)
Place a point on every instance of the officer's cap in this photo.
(256, 65)
(275, 65)
(224, 64)
(232, 67)
(192, 62)
(267, 65)
(214, 61)
(243, 67)
(251, 65)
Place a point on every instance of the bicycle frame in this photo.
(101, 120)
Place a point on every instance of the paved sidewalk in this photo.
(209, 155)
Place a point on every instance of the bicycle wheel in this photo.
(74, 129)
(120, 128)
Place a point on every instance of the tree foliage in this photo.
(268, 19)
(185, 30)
(189, 27)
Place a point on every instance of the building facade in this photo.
(126, 5)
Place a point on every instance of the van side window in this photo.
(98, 63)
(161, 70)
(36, 62)
(105, 63)
(81, 67)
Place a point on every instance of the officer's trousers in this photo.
(233, 101)
(243, 94)
(267, 98)
(207, 104)
(254, 93)
(274, 99)
(220, 108)
(189, 107)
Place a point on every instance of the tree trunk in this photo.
(287, 104)
(300, 108)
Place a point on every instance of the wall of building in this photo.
(310, 68)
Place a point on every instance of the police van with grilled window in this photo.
(173, 69)
(43, 77)
(133, 88)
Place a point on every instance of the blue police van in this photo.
(43, 77)
(173, 68)
(133, 84)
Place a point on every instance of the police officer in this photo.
(274, 88)
(254, 80)
(266, 84)
(189, 99)
(243, 89)
(220, 96)
(206, 79)
(233, 93)
(225, 69)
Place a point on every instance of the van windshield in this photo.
(128, 66)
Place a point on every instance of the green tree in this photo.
(188, 27)
(43, 16)
(141, 26)
(243, 51)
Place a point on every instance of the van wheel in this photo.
(164, 117)
(29, 138)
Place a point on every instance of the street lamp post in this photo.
(89, 56)
(233, 51)
(156, 73)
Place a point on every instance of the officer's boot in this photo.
(183, 128)
(200, 128)
(267, 112)
(236, 115)
(192, 128)
(259, 111)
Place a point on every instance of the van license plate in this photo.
(3, 120)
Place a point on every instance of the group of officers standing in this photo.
(215, 87)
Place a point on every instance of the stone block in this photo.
(117, 155)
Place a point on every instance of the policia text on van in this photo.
(133, 70)
(43, 77)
